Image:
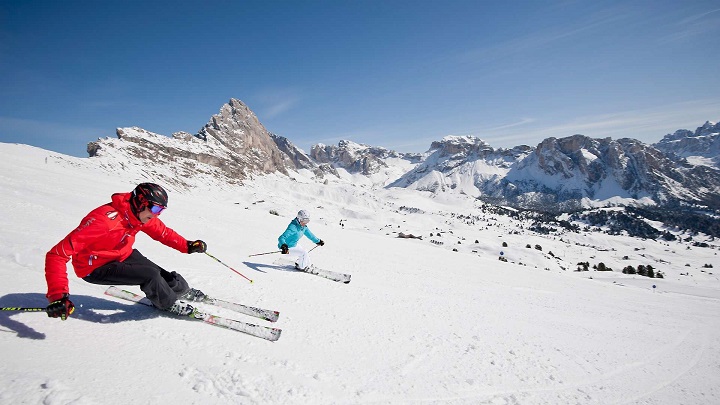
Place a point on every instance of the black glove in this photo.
(284, 249)
(61, 308)
(197, 246)
(321, 243)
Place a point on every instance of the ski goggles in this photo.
(156, 209)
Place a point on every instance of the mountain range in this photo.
(558, 175)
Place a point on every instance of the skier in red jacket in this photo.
(102, 252)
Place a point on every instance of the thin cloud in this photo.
(694, 26)
(696, 17)
(662, 117)
(647, 125)
(523, 121)
(493, 133)
(279, 107)
(539, 39)
(275, 102)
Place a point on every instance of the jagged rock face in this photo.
(298, 158)
(559, 173)
(564, 157)
(704, 142)
(183, 136)
(579, 167)
(232, 146)
(463, 163)
(167, 160)
(238, 129)
(461, 147)
(453, 151)
(356, 158)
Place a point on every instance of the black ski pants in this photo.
(160, 286)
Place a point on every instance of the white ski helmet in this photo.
(302, 216)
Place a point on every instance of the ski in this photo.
(330, 275)
(271, 334)
(266, 314)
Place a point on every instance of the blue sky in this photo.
(397, 74)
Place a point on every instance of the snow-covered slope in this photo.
(701, 147)
(419, 323)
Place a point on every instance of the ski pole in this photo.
(266, 253)
(218, 260)
(22, 309)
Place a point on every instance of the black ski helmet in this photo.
(146, 194)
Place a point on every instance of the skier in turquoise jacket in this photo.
(287, 242)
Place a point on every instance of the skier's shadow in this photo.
(280, 267)
(86, 309)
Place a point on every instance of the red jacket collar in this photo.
(121, 202)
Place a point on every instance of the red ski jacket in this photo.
(105, 235)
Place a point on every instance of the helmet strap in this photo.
(134, 199)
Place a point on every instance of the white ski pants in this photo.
(303, 258)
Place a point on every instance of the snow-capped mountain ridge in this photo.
(238, 129)
(233, 146)
(565, 171)
(559, 174)
(562, 173)
(358, 158)
(462, 164)
(701, 147)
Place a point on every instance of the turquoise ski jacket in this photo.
(294, 232)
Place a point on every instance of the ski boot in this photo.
(193, 295)
(181, 308)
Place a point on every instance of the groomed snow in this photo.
(419, 323)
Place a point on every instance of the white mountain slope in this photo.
(419, 323)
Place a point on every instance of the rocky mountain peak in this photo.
(558, 174)
(453, 145)
(700, 147)
(238, 129)
(355, 157)
(299, 159)
(231, 147)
